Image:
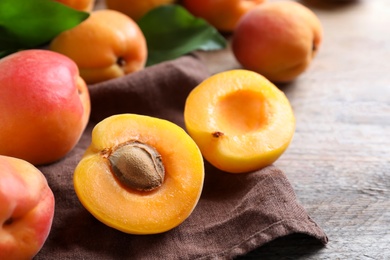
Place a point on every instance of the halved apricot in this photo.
(240, 120)
(140, 175)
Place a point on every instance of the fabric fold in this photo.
(236, 212)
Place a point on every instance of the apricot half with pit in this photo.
(240, 120)
(140, 175)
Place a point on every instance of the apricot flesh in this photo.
(130, 210)
(240, 120)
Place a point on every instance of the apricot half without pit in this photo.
(240, 120)
(140, 175)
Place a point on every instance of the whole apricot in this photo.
(44, 106)
(107, 45)
(240, 121)
(26, 209)
(81, 5)
(135, 8)
(222, 14)
(277, 39)
(140, 175)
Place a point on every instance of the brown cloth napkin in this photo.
(235, 214)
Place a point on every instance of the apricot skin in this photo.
(135, 8)
(222, 14)
(129, 210)
(44, 106)
(26, 209)
(240, 121)
(81, 5)
(107, 45)
(277, 39)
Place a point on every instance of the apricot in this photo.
(240, 120)
(277, 39)
(135, 8)
(140, 175)
(107, 45)
(222, 14)
(44, 106)
(81, 5)
(26, 209)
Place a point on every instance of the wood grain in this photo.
(339, 160)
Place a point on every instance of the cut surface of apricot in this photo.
(240, 120)
(146, 144)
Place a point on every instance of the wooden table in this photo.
(339, 160)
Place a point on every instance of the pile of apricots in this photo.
(277, 39)
(237, 120)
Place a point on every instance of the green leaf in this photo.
(171, 31)
(26, 24)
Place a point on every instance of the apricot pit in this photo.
(140, 174)
(138, 166)
(240, 120)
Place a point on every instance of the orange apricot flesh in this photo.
(240, 120)
(130, 210)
